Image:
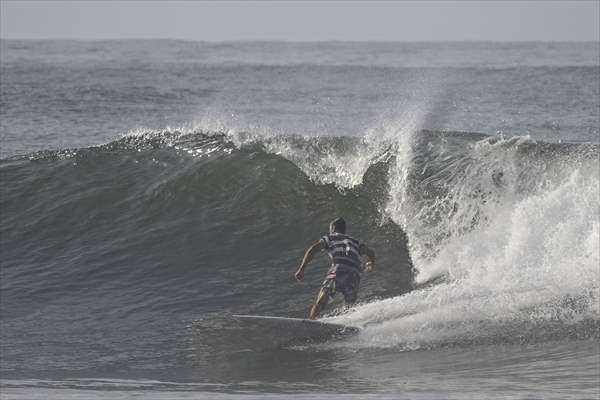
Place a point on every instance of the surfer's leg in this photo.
(328, 290)
(349, 287)
(322, 300)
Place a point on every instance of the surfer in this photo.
(343, 276)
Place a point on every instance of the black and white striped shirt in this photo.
(343, 249)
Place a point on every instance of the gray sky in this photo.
(302, 20)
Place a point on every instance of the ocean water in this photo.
(151, 189)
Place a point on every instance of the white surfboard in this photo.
(297, 329)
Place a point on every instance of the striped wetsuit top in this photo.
(343, 250)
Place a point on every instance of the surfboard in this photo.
(297, 329)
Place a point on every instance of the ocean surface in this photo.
(152, 189)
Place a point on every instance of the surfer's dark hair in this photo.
(338, 225)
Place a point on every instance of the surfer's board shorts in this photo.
(345, 280)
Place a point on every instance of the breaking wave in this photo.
(478, 238)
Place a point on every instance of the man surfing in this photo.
(343, 276)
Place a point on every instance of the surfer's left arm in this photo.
(310, 253)
(370, 255)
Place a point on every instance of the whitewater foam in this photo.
(516, 239)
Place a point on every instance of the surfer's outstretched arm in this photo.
(310, 253)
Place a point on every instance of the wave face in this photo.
(110, 241)
(133, 252)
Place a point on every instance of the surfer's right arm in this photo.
(312, 250)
